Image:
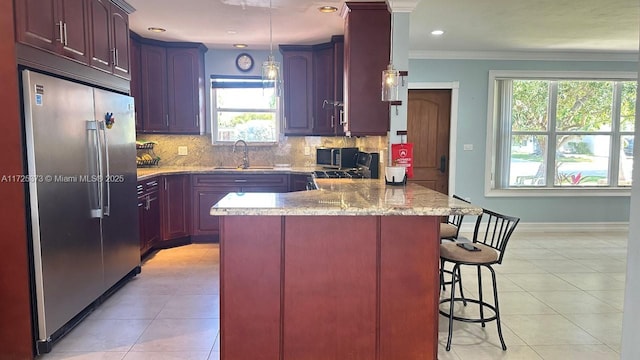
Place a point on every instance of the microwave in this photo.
(337, 158)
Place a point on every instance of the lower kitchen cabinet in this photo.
(209, 189)
(176, 201)
(149, 213)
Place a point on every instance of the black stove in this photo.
(338, 174)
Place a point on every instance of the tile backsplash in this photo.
(290, 150)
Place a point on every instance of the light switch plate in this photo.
(307, 150)
(183, 150)
(468, 147)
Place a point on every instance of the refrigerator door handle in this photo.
(106, 179)
(92, 125)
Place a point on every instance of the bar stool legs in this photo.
(481, 303)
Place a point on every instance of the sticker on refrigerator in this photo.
(39, 94)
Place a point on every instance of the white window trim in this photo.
(214, 123)
(493, 128)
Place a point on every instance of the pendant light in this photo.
(390, 76)
(271, 68)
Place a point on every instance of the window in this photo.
(561, 131)
(243, 109)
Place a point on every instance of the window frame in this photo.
(496, 134)
(214, 110)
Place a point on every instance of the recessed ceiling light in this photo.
(156, 29)
(240, 46)
(328, 9)
(231, 32)
(437, 32)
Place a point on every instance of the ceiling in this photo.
(593, 26)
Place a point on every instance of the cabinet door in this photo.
(119, 45)
(153, 61)
(203, 200)
(184, 83)
(152, 222)
(142, 202)
(75, 29)
(36, 23)
(175, 206)
(366, 114)
(135, 84)
(338, 83)
(101, 55)
(324, 121)
(298, 99)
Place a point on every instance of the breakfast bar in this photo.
(348, 271)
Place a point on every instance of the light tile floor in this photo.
(561, 297)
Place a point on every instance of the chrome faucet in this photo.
(245, 154)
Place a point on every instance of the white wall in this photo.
(631, 315)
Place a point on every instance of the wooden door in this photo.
(324, 122)
(175, 207)
(120, 41)
(136, 82)
(75, 17)
(100, 35)
(153, 62)
(297, 75)
(36, 24)
(428, 123)
(183, 79)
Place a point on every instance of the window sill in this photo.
(583, 192)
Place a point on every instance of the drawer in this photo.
(242, 180)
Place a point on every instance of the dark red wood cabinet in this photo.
(207, 190)
(57, 26)
(110, 34)
(136, 82)
(176, 211)
(365, 59)
(328, 83)
(92, 32)
(170, 85)
(297, 75)
(149, 213)
(153, 63)
(312, 84)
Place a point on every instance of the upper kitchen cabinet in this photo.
(57, 26)
(312, 85)
(110, 34)
(367, 39)
(171, 86)
(136, 81)
(328, 87)
(297, 75)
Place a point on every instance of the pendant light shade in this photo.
(271, 68)
(390, 78)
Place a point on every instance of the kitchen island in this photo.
(349, 271)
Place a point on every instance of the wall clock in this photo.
(244, 62)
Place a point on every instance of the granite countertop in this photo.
(145, 173)
(346, 197)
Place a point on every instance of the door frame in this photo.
(454, 86)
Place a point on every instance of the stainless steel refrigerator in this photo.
(80, 149)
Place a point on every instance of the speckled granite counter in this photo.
(346, 197)
(145, 173)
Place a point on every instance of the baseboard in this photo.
(467, 227)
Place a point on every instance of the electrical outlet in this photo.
(468, 147)
(307, 151)
(183, 150)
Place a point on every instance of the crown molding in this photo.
(402, 5)
(524, 55)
